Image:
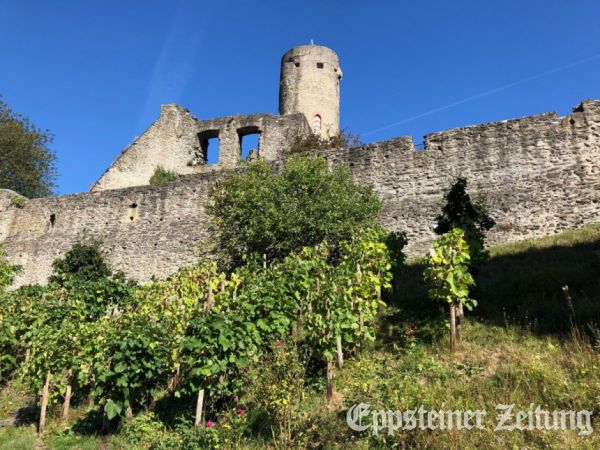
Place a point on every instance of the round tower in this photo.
(310, 84)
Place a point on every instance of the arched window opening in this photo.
(316, 122)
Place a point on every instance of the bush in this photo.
(265, 212)
(17, 201)
(162, 176)
(472, 218)
(84, 262)
(7, 271)
(345, 139)
(276, 391)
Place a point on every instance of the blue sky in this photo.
(95, 73)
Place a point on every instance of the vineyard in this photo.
(269, 344)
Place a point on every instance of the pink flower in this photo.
(245, 369)
(278, 344)
(210, 424)
(240, 411)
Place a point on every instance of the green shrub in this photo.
(275, 392)
(448, 276)
(17, 201)
(162, 176)
(312, 142)
(473, 218)
(83, 261)
(265, 212)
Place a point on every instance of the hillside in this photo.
(530, 342)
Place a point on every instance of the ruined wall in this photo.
(540, 175)
(146, 231)
(179, 142)
(171, 142)
(276, 135)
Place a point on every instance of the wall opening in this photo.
(209, 145)
(320, 65)
(249, 141)
(52, 219)
(316, 122)
(133, 211)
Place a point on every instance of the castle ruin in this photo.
(539, 175)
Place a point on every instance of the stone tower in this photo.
(310, 84)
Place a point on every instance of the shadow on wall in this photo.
(524, 289)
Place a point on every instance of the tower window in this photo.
(316, 122)
(319, 65)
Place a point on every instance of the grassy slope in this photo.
(510, 354)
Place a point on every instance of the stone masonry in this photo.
(539, 175)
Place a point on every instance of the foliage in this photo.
(28, 164)
(312, 142)
(473, 218)
(162, 176)
(83, 262)
(265, 212)
(276, 389)
(448, 270)
(7, 271)
(17, 201)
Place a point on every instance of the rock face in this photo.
(540, 175)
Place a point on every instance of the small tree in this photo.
(265, 212)
(449, 278)
(27, 164)
(162, 176)
(461, 212)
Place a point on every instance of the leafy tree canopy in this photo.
(262, 211)
(27, 165)
(473, 218)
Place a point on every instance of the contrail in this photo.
(484, 94)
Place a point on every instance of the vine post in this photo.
(68, 392)
(44, 405)
(340, 353)
(452, 327)
(330, 384)
(199, 408)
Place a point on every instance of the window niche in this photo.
(209, 146)
(249, 141)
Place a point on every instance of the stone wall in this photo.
(276, 133)
(171, 142)
(539, 174)
(146, 231)
(179, 142)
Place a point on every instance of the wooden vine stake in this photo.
(452, 327)
(330, 385)
(209, 300)
(68, 392)
(340, 353)
(199, 407)
(44, 405)
(459, 321)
